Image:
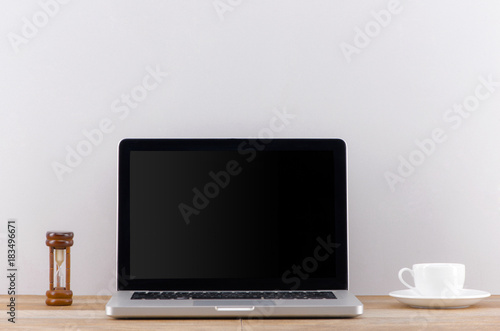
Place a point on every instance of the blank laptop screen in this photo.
(232, 214)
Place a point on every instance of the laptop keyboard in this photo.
(233, 295)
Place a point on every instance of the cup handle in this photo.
(400, 275)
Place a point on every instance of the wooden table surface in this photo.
(380, 313)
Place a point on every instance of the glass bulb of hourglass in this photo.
(59, 257)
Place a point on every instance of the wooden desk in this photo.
(381, 313)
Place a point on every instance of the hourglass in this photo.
(59, 293)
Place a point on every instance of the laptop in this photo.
(232, 228)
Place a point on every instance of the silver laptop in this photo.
(249, 228)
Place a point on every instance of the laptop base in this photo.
(346, 305)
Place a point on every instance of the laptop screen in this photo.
(232, 214)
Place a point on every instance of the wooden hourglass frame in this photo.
(60, 293)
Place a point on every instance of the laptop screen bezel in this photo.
(126, 282)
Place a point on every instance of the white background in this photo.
(227, 72)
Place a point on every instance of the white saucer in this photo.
(462, 300)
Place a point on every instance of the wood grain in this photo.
(380, 313)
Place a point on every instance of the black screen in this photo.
(230, 214)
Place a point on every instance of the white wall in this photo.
(226, 74)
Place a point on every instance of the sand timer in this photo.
(59, 293)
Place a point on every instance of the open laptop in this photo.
(232, 228)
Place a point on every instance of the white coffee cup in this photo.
(439, 280)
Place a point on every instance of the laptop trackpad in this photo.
(233, 303)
